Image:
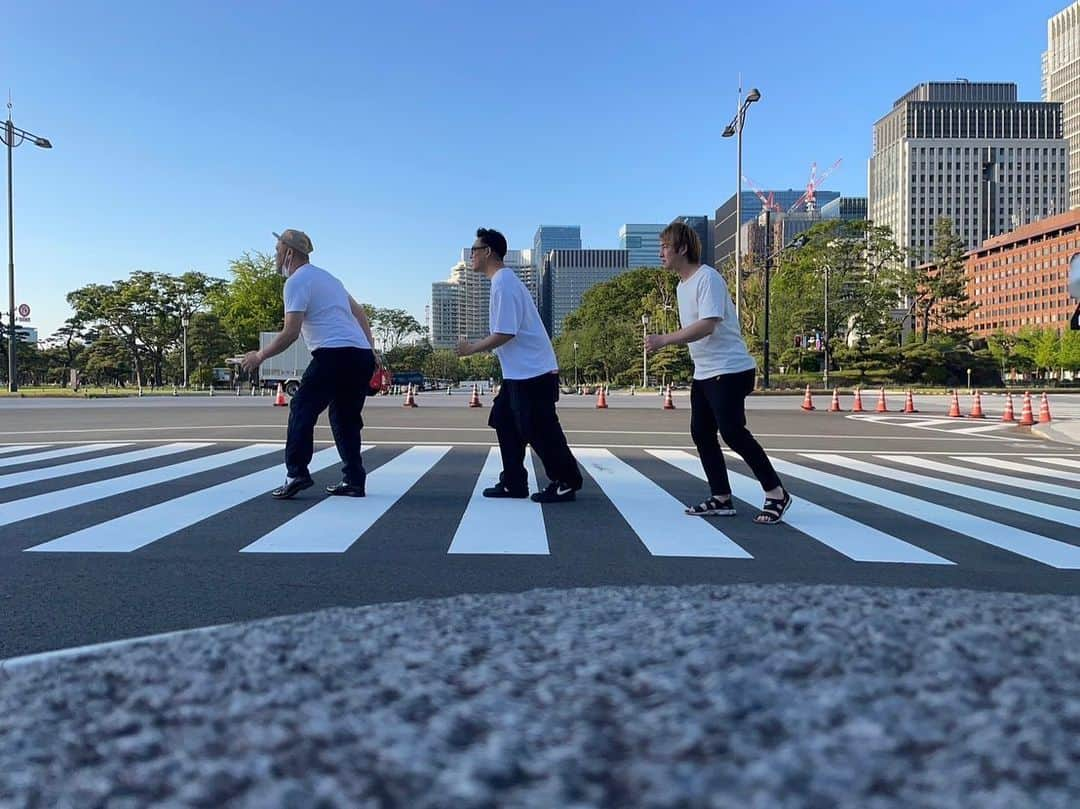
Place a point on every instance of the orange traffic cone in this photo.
(279, 400)
(410, 398)
(1008, 416)
(1026, 418)
(474, 400)
(1044, 410)
(807, 402)
(601, 398)
(954, 408)
(835, 406)
(668, 403)
(976, 408)
(909, 404)
(882, 407)
(857, 406)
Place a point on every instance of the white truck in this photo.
(287, 367)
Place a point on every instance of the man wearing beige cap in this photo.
(336, 331)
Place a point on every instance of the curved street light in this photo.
(736, 128)
(13, 137)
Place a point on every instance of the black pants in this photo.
(720, 404)
(337, 378)
(524, 414)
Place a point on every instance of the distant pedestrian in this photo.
(523, 412)
(337, 333)
(723, 377)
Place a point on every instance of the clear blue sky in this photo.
(185, 132)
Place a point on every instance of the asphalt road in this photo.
(122, 518)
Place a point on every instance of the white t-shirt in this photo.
(513, 312)
(328, 318)
(704, 294)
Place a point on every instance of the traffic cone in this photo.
(474, 400)
(410, 398)
(1008, 416)
(808, 401)
(1044, 410)
(279, 400)
(857, 406)
(954, 408)
(601, 398)
(1026, 418)
(976, 408)
(835, 406)
(909, 404)
(882, 406)
(668, 403)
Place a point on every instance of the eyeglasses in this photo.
(474, 248)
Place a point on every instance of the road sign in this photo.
(24, 310)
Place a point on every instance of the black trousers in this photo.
(337, 378)
(719, 404)
(524, 414)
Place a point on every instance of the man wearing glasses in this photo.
(524, 411)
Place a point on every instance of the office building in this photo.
(1061, 83)
(751, 208)
(568, 274)
(702, 226)
(642, 244)
(968, 151)
(460, 305)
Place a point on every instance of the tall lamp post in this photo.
(184, 321)
(644, 351)
(826, 343)
(575, 364)
(13, 137)
(735, 128)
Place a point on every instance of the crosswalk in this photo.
(931, 509)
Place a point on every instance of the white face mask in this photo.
(285, 266)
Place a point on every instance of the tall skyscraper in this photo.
(642, 243)
(968, 151)
(751, 208)
(460, 305)
(703, 228)
(1060, 70)
(546, 239)
(568, 274)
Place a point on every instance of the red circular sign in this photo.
(24, 310)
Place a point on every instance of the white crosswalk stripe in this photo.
(1024, 543)
(139, 528)
(34, 457)
(485, 523)
(331, 525)
(853, 539)
(12, 448)
(336, 523)
(651, 511)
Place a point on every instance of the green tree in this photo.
(209, 344)
(251, 301)
(107, 360)
(391, 326)
(940, 289)
(443, 364)
(407, 357)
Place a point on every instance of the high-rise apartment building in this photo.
(642, 244)
(460, 305)
(568, 274)
(968, 151)
(1061, 83)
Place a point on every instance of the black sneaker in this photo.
(291, 487)
(344, 489)
(556, 492)
(499, 490)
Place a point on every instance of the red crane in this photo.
(808, 199)
(768, 203)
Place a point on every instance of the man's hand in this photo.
(251, 362)
(654, 342)
(464, 348)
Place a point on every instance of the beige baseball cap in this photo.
(297, 240)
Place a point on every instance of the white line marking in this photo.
(34, 457)
(1020, 467)
(92, 465)
(1069, 462)
(986, 477)
(855, 540)
(66, 498)
(1023, 543)
(1021, 505)
(499, 526)
(655, 516)
(10, 448)
(336, 523)
(132, 531)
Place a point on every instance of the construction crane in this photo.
(768, 203)
(808, 199)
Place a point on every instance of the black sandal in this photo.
(713, 507)
(773, 510)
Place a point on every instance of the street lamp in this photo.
(644, 351)
(11, 132)
(184, 321)
(736, 128)
(575, 364)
